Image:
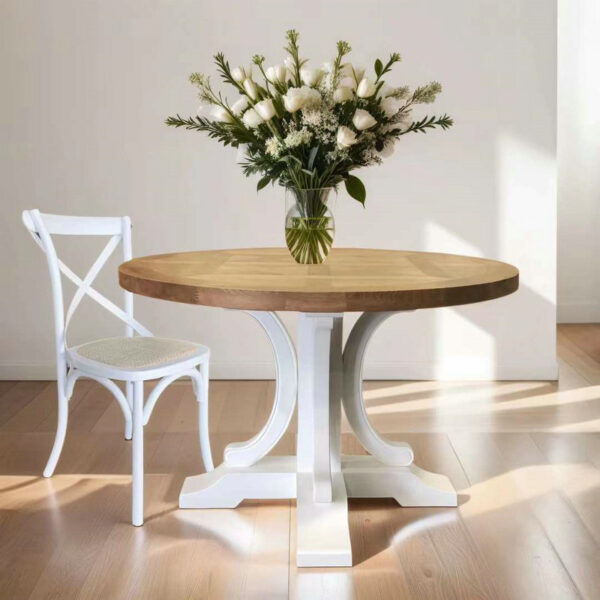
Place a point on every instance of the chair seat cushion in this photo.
(137, 352)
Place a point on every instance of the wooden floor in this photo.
(525, 457)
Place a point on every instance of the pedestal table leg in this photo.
(322, 509)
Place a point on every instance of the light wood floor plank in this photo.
(504, 525)
(17, 397)
(525, 457)
(544, 487)
(40, 413)
(572, 352)
(577, 460)
(6, 385)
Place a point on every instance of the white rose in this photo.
(312, 97)
(311, 77)
(251, 89)
(366, 88)
(297, 98)
(345, 137)
(241, 73)
(390, 106)
(293, 100)
(348, 82)
(239, 106)
(238, 74)
(218, 113)
(387, 150)
(363, 120)
(343, 94)
(276, 74)
(265, 109)
(251, 118)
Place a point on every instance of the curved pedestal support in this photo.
(390, 453)
(319, 478)
(244, 454)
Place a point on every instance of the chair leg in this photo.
(61, 431)
(137, 455)
(202, 395)
(129, 396)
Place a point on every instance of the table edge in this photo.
(359, 301)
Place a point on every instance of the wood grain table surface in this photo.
(351, 279)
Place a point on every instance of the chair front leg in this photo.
(203, 419)
(129, 396)
(61, 431)
(137, 455)
(64, 390)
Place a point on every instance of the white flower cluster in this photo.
(315, 101)
(322, 89)
(273, 147)
(329, 120)
(297, 138)
(323, 122)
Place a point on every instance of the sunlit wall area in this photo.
(579, 160)
(83, 123)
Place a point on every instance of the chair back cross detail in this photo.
(43, 226)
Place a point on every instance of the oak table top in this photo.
(351, 279)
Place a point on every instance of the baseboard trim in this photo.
(459, 370)
(584, 312)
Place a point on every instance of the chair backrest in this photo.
(42, 227)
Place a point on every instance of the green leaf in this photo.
(262, 183)
(312, 156)
(378, 68)
(356, 189)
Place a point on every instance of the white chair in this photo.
(132, 359)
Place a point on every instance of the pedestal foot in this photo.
(323, 530)
(366, 477)
(272, 478)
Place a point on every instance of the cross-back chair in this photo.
(132, 358)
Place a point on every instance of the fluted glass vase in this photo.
(309, 224)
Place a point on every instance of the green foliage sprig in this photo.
(308, 128)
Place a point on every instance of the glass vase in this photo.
(309, 224)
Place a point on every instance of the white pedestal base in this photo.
(323, 534)
(319, 478)
(323, 530)
(272, 478)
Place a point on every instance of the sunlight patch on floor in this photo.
(481, 398)
(528, 484)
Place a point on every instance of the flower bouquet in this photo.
(308, 129)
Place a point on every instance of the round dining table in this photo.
(322, 374)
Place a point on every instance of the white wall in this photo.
(579, 161)
(87, 86)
